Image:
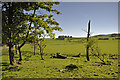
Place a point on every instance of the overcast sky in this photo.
(75, 17)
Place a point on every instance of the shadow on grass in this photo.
(5, 64)
(5, 67)
(13, 68)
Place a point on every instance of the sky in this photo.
(75, 17)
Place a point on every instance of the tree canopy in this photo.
(21, 21)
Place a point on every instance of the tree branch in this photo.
(28, 30)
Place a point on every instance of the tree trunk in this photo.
(34, 47)
(41, 52)
(87, 49)
(16, 49)
(42, 56)
(20, 55)
(87, 53)
(11, 55)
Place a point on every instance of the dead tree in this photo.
(53, 56)
(58, 56)
(88, 35)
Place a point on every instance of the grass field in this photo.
(33, 67)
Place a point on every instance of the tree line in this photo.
(64, 36)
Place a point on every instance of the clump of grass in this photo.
(71, 67)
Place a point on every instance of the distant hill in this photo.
(99, 37)
(108, 35)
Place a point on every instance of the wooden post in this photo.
(88, 35)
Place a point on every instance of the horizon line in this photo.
(91, 35)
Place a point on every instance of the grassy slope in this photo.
(33, 67)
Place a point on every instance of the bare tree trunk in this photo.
(11, 55)
(34, 47)
(41, 55)
(87, 49)
(88, 53)
(20, 55)
(16, 49)
(41, 52)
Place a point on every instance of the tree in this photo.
(19, 23)
(91, 45)
(88, 35)
(11, 18)
(44, 23)
(41, 44)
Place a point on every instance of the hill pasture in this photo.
(33, 67)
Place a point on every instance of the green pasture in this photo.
(33, 67)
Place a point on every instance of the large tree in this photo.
(20, 20)
(11, 18)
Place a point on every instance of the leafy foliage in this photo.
(91, 42)
(21, 22)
